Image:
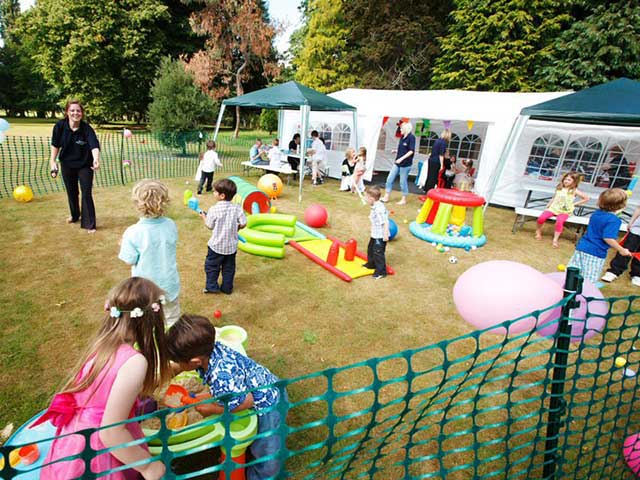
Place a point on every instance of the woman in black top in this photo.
(293, 147)
(74, 142)
(436, 160)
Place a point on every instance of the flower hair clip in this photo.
(114, 312)
(136, 312)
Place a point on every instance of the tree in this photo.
(322, 62)
(238, 39)
(106, 53)
(268, 120)
(603, 46)
(391, 47)
(178, 107)
(9, 12)
(499, 45)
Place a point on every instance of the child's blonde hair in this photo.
(612, 200)
(575, 176)
(120, 326)
(349, 153)
(150, 197)
(446, 135)
(374, 192)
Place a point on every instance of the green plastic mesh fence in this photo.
(25, 160)
(423, 413)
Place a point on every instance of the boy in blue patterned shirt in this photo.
(192, 346)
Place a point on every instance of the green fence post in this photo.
(122, 157)
(557, 404)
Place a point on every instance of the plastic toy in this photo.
(194, 204)
(441, 219)
(562, 267)
(273, 210)
(176, 396)
(23, 193)
(490, 293)
(233, 336)
(586, 320)
(217, 314)
(620, 362)
(4, 125)
(251, 199)
(316, 216)
(393, 229)
(453, 259)
(271, 185)
(186, 196)
(337, 257)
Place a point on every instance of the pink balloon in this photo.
(587, 319)
(127, 133)
(492, 292)
(631, 452)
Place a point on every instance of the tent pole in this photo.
(355, 128)
(514, 135)
(304, 126)
(215, 134)
(280, 125)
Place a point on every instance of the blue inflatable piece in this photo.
(393, 229)
(4, 125)
(423, 232)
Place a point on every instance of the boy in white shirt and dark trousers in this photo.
(318, 154)
(224, 219)
(379, 233)
(208, 166)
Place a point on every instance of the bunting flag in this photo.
(418, 130)
(426, 125)
(384, 120)
(469, 124)
(447, 124)
(404, 120)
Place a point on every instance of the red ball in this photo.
(217, 314)
(316, 216)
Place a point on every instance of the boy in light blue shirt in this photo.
(149, 246)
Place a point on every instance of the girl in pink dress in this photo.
(104, 388)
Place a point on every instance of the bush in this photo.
(178, 106)
(269, 120)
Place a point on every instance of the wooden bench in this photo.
(526, 214)
(284, 169)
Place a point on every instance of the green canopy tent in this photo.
(613, 103)
(291, 95)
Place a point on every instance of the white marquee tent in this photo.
(481, 121)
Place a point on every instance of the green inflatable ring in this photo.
(271, 219)
(262, 238)
(261, 250)
(281, 229)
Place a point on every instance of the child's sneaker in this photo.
(635, 281)
(610, 277)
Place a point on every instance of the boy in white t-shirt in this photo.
(208, 165)
(275, 155)
(318, 154)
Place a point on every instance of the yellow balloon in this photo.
(620, 362)
(22, 193)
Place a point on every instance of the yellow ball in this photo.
(405, 221)
(273, 209)
(271, 185)
(22, 193)
(620, 362)
(562, 267)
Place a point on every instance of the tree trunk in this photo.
(239, 91)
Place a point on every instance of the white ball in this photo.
(473, 247)
(433, 244)
(453, 259)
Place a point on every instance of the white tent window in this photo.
(619, 165)
(426, 143)
(582, 156)
(382, 140)
(544, 156)
(454, 145)
(341, 137)
(325, 132)
(470, 147)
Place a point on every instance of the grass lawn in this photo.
(300, 318)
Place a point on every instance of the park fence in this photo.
(517, 406)
(24, 160)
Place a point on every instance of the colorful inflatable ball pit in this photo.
(271, 185)
(587, 319)
(493, 292)
(316, 215)
(442, 216)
